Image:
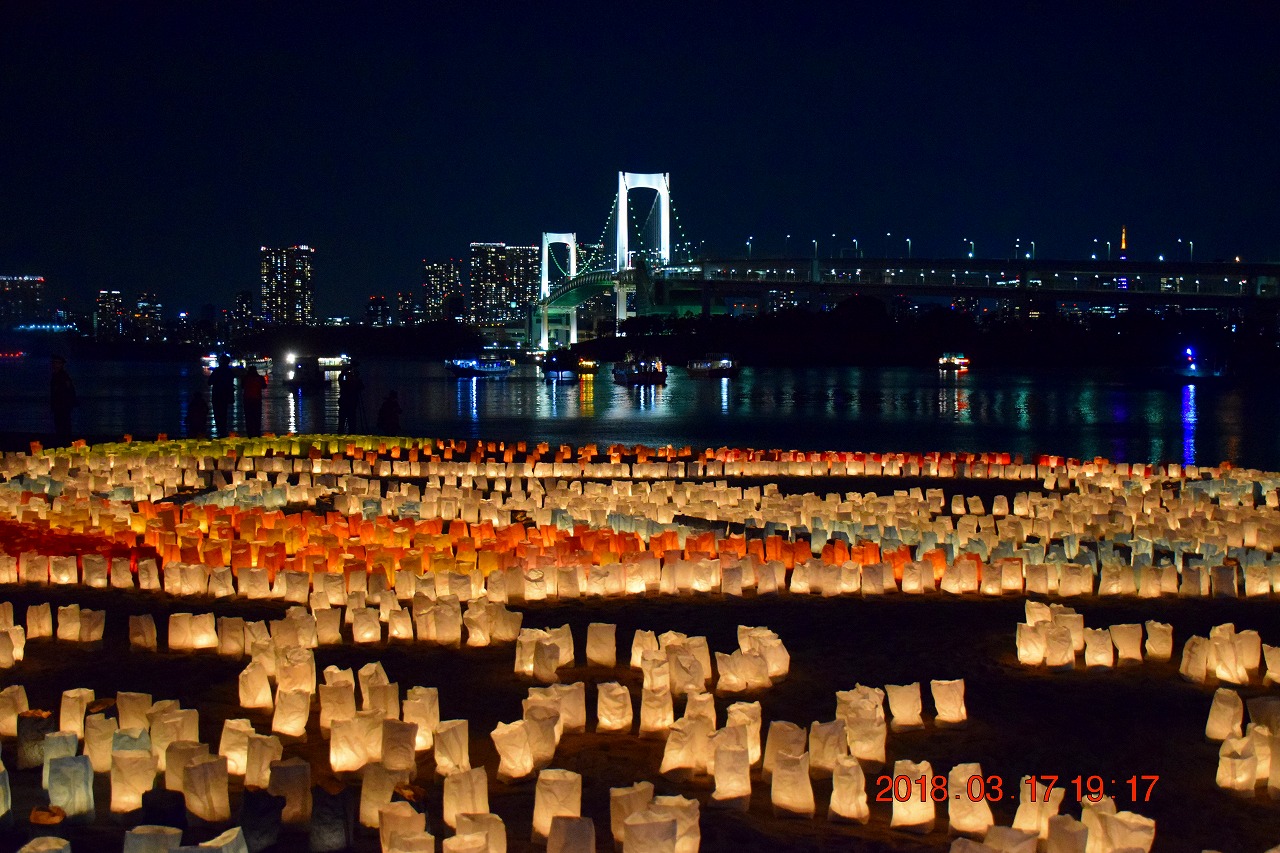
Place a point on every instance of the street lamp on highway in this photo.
(786, 246)
(908, 248)
(815, 248)
(970, 242)
(855, 247)
(749, 239)
(1033, 250)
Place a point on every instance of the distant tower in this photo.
(1123, 241)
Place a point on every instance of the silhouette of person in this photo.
(222, 383)
(251, 385)
(350, 387)
(389, 415)
(62, 398)
(197, 413)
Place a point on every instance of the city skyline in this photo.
(142, 167)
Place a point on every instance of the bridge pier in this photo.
(620, 312)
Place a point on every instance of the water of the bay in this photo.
(1135, 418)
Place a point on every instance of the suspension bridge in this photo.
(637, 260)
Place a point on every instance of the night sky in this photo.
(158, 145)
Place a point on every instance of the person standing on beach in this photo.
(62, 398)
(251, 385)
(222, 385)
(350, 387)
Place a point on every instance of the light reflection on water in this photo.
(811, 408)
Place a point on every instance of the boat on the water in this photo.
(481, 366)
(566, 366)
(640, 371)
(953, 361)
(716, 365)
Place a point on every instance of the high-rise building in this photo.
(377, 312)
(241, 319)
(524, 276)
(504, 282)
(109, 318)
(288, 295)
(407, 311)
(488, 284)
(442, 294)
(21, 299)
(147, 323)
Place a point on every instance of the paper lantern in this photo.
(613, 707)
(792, 792)
(71, 713)
(904, 705)
(133, 773)
(293, 707)
(369, 675)
(123, 739)
(1226, 715)
(1010, 839)
(295, 669)
(399, 818)
(1098, 648)
(571, 835)
(964, 814)
(465, 792)
(643, 641)
(647, 831)
(291, 778)
(848, 792)
(546, 659)
(488, 825)
(13, 701)
(1032, 643)
(1067, 835)
(150, 838)
(177, 756)
(452, 747)
(46, 844)
(99, 730)
(422, 706)
(656, 711)
(57, 745)
(515, 753)
(365, 626)
(1059, 652)
(1195, 659)
(783, 737)
(827, 744)
(33, 725)
(948, 700)
(204, 633)
(602, 644)
(732, 775)
(168, 725)
(264, 750)
(398, 745)
(69, 622)
(231, 841)
(1037, 806)
(558, 792)
(328, 627)
(655, 669)
(347, 748)
(337, 702)
(1128, 642)
(204, 785)
(39, 621)
(624, 802)
(234, 745)
(63, 570)
(376, 789)
(916, 812)
(688, 748)
(543, 729)
(747, 715)
(231, 636)
(70, 786)
(1238, 765)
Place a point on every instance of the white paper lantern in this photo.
(177, 756)
(792, 792)
(13, 701)
(71, 714)
(783, 737)
(848, 792)
(376, 788)
(204, 784)
(656, 711)
(732, 775)
(56, 745)
(150, 838)
(39, 621)
(1127, 639)
(571, 835)
(1195, 659)
(337, 702)
(613, 707)
(643, 641)
(964, 813)
(369, 675)
(748, 716)
(233, 745)
(99, 730)
(489, 825)
(69, 622)
(558, 792)
(1098, 648)
(399, 818)
(291, 778)
(915, 813)
(1238, 766)
(1067, 835)
(133, 773)
(687, 749)
(1037, 805)
(231, 841)
(1032, 641)
(422, 706)
(465, 792)
(1009, 839)
(293, 707)
(1226, 715)
(255, 687)
(624, 802)
(1159, 644)
(515, 754)
(452, 747)
(70, 786)
(398, 745)
(904, 705)
(648, 831)
(602, 644)
(264, 750)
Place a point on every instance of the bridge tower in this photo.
(550, 239)
(661, 183)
